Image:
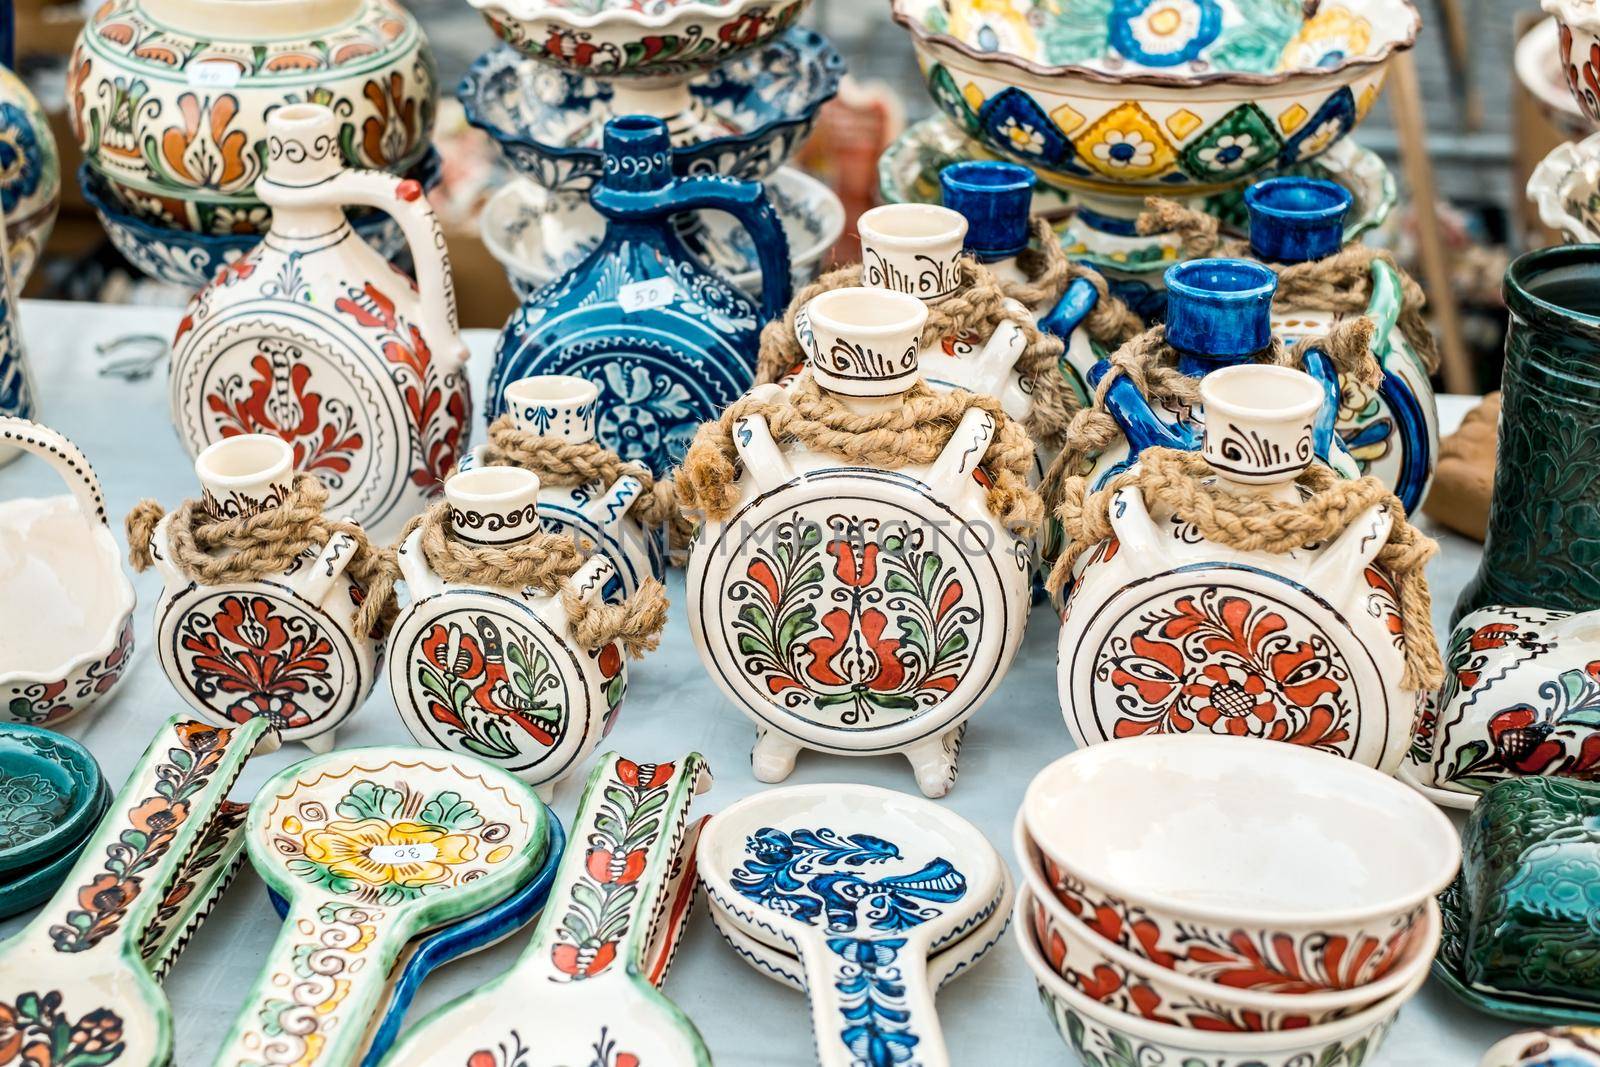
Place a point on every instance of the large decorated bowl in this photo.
(1579, 22)
(1176, 97)
(756, 111)
(169, 98)
(1543, 73)
(30, 175)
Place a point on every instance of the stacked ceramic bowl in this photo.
(738, 85)
(1230, 901)
(52, 796)
(1565, 49)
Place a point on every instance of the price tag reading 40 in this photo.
(642, 296)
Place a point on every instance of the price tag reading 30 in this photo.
(642, 296)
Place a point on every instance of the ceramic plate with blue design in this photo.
(51, 794)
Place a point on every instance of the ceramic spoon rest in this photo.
(863, 885)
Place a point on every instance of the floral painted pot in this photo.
(494, 670)
(919, 624)
(1167, 632)
(760, 108)
(598, 517)
(170, 99)
(313, 337)
(1543, 73)
(16, 374)
(190, 259)
(1163, 96)
(66, 610)
(1561, 1046)
(669, 340)
(285, 648)
(1565, 187)
(1579, 22)
(30, 171)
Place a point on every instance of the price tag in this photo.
(421, 852)
(213, 74)
(642, 296)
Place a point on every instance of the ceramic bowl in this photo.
(1542, 72)
(50, 787)
(538, 235)
(1156, 96)
(1276, 994)
(1216, 852)
(190, 259)
(1578, 45)
(549, 123)
(1101, 1034)
(1565, 187)
(1561, 1046)
(30, 886)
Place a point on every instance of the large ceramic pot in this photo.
(169, 98)
(30, 170)
(1544, 517)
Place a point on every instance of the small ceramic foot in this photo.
(546, 791)
(772, 758)
(321, 744)
(935, 762)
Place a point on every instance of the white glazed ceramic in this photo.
(286, 647)
(538, 235)
(1096, 1032)
(1165, 631)
(1565, 187)
(1561, 1046)
(312, 336)
(1520, 696)
(1275, 995)
(1220, 852)
(598, 517)
(581, 992)
(371, 846)
(66, 606)
(170, 99)
(1541, 70)
(30, 174)
(493, 670)
(862, 885)
(858, 610)
(1579, 48)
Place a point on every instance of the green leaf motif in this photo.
(369, 800)
(451, 811)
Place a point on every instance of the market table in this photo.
(991, 1016)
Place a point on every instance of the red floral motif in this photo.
(262, 663)
(325, 439)
(644, 775)
(388, 134)
(204, 151)
(477, 661)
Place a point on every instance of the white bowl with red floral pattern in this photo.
(1579, 22)
(1213, 852)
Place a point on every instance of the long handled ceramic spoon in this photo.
(580, 994)
(862, 885)
(74, 981)
(371, 846)
(200, 883)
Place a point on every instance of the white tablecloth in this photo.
(990, 1016)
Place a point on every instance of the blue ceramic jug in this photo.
(1391, 431)
(16, 390)
(668, 340)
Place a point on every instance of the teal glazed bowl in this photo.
(50, 796)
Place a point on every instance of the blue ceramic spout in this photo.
(1219, 312)
(1296, 220)
(997, 200)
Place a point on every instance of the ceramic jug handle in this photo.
(747, 203)
(420, 581)
(472, 457)
(871, 993)
(1325, 440)
(964, 452)
(404, 201)
(763, 460)
(1139, 424)
(61, 454)
(611, 507)
(1073, 307)
(317, 579)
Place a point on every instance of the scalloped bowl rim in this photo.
(536, 10)
(1563, 11)
(922, 37)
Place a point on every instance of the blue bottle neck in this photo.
(1198, 365)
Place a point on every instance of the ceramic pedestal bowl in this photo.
(538, 235)
(1541, 70)
(190, 259)
(1220, 852)
(1578, 23)
(758, 109)
(1565, 187)
(647, 49)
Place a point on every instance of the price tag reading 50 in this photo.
(642, 296)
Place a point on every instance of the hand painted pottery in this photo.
(66, 607)
(1117, 101)
(1565, 187)
(50, 797)
(37, 883)
(1563, 1046)
(372, 847)
(550, 123)
(1098, 1033)
(862, 885)
(190, 259)
(1280, 994)
(926, 594)
(1540, 517)
(580, 994)
(1392, 430)
(16, 376)
(285, 647)
(428, 952)
(312, 337)
(494, 671)
(538, 235)
(1579, 24)
(1543, 73)
(78, 967)
(600, 518)
(171, 99)
(647, 51)
(1530, 854)
(669, 340)
(196, 888)
(30, 170)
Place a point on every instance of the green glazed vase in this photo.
(1543, 544)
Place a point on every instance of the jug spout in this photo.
(303, 145)
(1219, 312)
(913, 249)
(996, 199)
(1259, 425)
(560, 406)
(244, 475)
(1296, 220)
(865, 343)
(493, 505)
